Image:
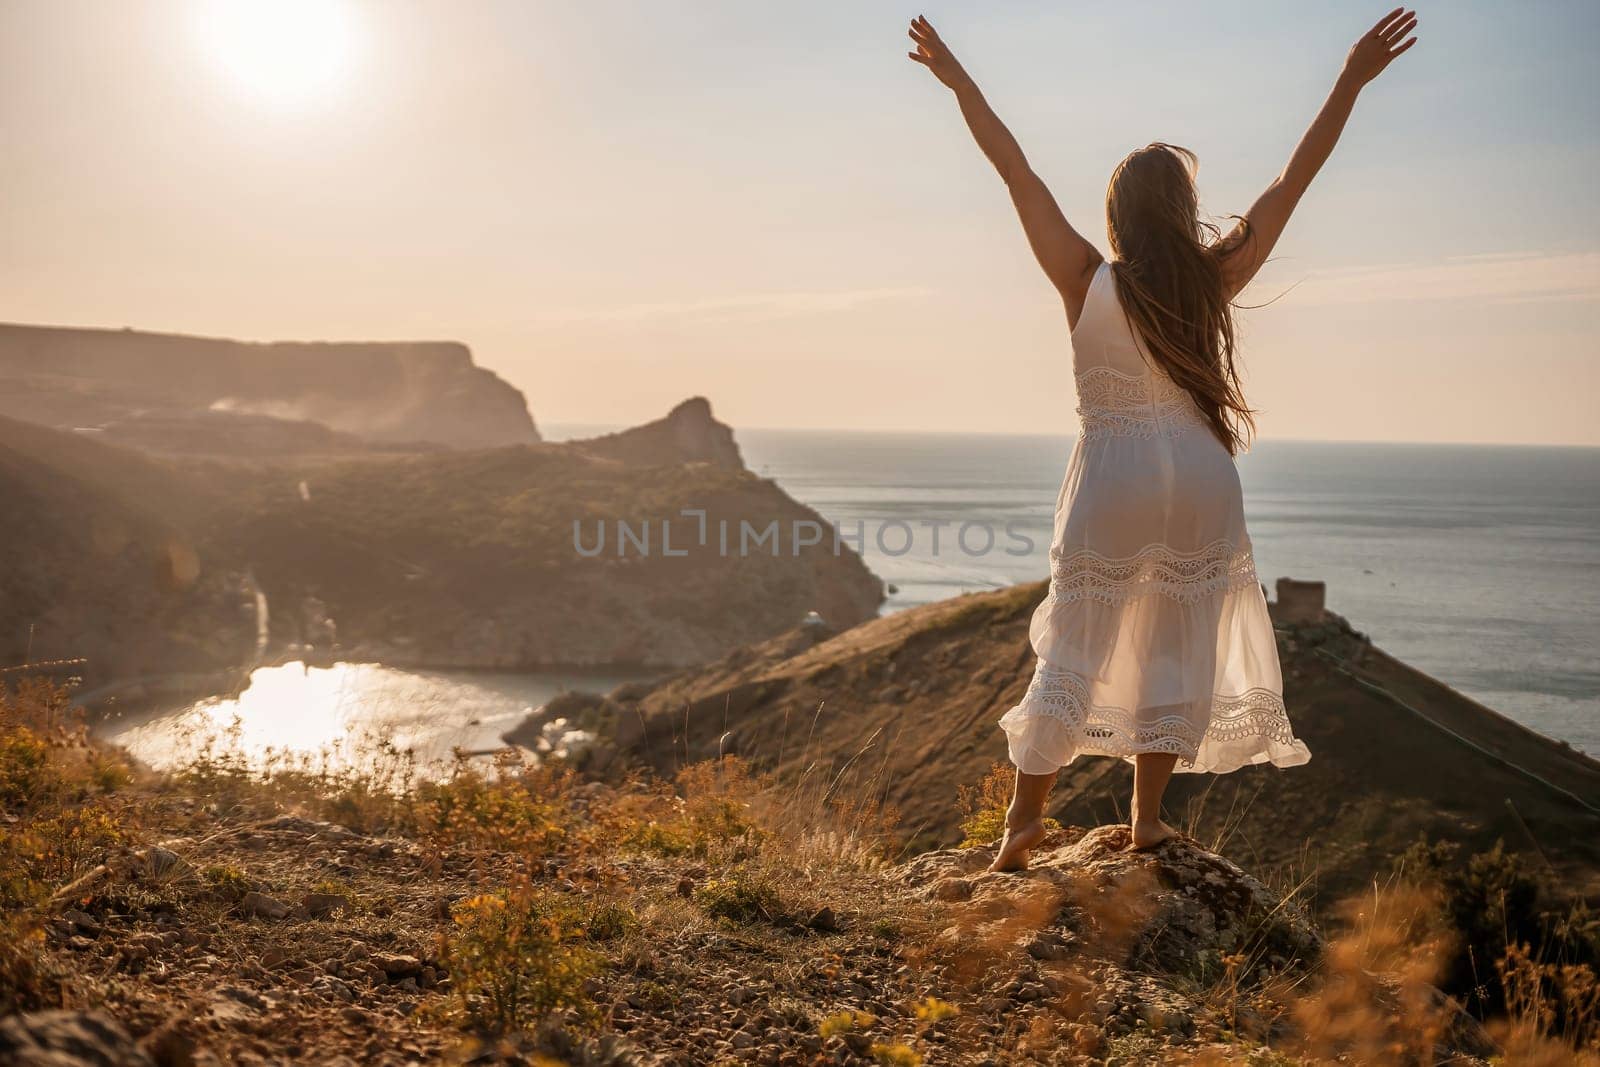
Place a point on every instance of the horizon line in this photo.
(611, 427)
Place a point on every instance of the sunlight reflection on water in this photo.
(341, 716)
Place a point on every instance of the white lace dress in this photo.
(1155, 635)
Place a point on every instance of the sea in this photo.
(1477, 564)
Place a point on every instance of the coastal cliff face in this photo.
(916, 696)
(181, 394)
(445, 559)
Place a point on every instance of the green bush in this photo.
(26, 773)
(526, 812)
(227, 883)
(516, 956)
(744, 895)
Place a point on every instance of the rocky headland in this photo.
(148, 566)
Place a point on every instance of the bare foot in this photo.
(1016, 844)
(1148, 833)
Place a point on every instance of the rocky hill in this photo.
(455, 558)
(200, 395)
(911, 700)
(688, 431)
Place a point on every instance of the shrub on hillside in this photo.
(984, 807)
(746, 895)
(708, 814)
(1517, 953)
(57, 824)
(516, 956)
(45, 755)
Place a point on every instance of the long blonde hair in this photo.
(1167, 263)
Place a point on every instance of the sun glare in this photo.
(282, 51)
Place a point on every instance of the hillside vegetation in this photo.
(240, 914)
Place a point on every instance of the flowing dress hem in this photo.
(1044, 732)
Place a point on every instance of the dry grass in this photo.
(538, 891)
(1377, 996)
(60, 814)
(535, 898)
(1553, 1014)
(1374, 1001)
(983, 807)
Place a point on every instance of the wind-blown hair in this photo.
(1167, 263)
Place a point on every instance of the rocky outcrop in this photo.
(1174, 910)
(1130, 940)
(548, 555)
(154, 390)
(1161, 944)
(688, 434)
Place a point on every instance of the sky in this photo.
(619, 205)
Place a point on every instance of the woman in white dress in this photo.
(1154, 643)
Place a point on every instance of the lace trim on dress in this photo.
(1134, 405)
(1064, 695)
(1184, 576)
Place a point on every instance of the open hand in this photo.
(1379, 47)
(935, 54)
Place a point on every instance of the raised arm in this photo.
(1247, 247)
(1068, 260)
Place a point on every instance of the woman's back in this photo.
(1154, 637)
(1121, 390)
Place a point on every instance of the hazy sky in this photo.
(618, 205)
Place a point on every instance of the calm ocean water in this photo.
(1479, 565)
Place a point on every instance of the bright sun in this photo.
(284, 51)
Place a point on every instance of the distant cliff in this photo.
(169, 392)
(688, 434)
